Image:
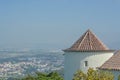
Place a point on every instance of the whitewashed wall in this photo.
(75, 61)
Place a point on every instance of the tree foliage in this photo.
(93, 75)
(119, 77)
(43, 76)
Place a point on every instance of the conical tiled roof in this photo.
(113, 63)
(88, 42)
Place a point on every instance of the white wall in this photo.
(75, 61)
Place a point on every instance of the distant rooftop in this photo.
(88, 42)
(113, 63)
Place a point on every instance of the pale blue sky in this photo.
(57, 23)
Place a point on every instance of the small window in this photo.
(86, 63)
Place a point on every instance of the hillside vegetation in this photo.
(42, 76)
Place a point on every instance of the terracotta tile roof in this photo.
(113, 63)
(88, 42)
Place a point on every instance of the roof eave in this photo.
(109, 69)
(67, 50)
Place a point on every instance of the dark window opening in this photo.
(86, 63)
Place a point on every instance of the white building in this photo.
(86, 52)
(113, 65)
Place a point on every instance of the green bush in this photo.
(43, 76)
(93, 75)
(119, 77)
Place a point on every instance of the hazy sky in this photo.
(57, 23)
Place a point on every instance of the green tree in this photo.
(79, 75)
(54, 76)
(93, 75)
(29, 77)
(119, 77)
(43, 76)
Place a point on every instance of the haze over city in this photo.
(56, 24)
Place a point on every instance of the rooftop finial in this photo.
(89, 30)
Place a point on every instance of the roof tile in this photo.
(88, 42)
(113, 63)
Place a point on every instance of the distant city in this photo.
(20, 63)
